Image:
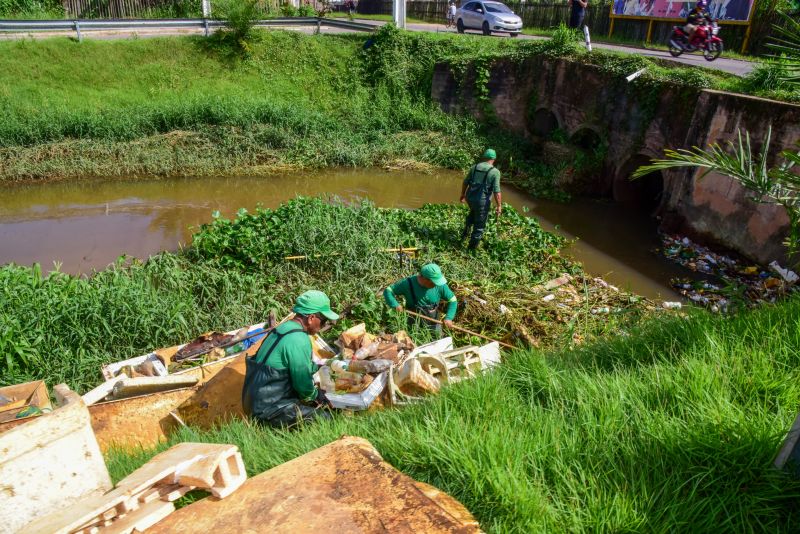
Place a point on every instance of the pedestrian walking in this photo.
(577, 13)
(480, 185)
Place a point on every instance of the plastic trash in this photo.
(548, 298)
(367, 351)
(372, 367)
(671, 305)
(786, 274)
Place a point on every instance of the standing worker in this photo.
(422, 293)
(278, 386)
(482, 181)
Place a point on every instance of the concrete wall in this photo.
(533, 96)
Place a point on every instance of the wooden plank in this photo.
(137, 422)
(347, 479)
(27, 394)
(48, 463)
(143, 385)
(102, 391)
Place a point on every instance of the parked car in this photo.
(488, 17)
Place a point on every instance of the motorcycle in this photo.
(706, 38)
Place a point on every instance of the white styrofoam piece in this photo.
(489, 354)
(360, 401)
(434, 347)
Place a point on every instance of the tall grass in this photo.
(235, 272)
(671, 428)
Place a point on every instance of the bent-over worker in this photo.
(481, 183)
(278, 386)
(422, 294)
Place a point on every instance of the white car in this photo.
(488, 17)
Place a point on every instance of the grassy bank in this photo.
(190, 105)
(671, 428)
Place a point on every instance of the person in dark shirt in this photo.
(696, 17)
(577, 13)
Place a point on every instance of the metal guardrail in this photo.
(83, 25)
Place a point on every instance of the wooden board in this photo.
(218, 400)
(344, 486)
(137, 422)
(47, 463)
(27, 394)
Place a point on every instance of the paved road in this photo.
(734, 66)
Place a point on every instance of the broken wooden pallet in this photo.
(145, 496)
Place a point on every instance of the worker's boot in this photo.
(473, 244)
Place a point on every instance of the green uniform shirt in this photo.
(426, 298)
(492, 179)
(294, 354)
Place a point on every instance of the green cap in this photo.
(433, 273)
(489, 154)
(314, 302)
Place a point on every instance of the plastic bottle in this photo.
(234, 349)
(370, 366)
(325, 381)
(365, 352)
(339, 366)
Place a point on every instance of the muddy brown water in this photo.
(86, 225)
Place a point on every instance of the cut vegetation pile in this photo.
(673, 427)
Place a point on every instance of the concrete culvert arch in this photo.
(544, 122)
(642, 194)
(586, 138)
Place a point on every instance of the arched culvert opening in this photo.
(545, 123)
(586, 138)
(642, 194)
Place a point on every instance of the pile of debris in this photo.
(390, 368)
(536, 316)
(55, 481)
(727, 278)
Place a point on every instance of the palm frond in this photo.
(786, 45)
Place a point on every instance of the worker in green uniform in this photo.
(278, 386)
(481, 183)
(422, 294)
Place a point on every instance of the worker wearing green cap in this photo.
(422, 294)
(278, 386)
(482, 182)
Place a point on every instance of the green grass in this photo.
(62, 328)
(671, 428)
(189, 106)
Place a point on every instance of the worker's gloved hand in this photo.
(398, 309)
(322, 399)
(448, 323)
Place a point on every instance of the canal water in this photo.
(85, 225)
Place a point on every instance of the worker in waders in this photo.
(482, 182)
(278, 386)
(422, 294)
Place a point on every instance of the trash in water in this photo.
(735, 280)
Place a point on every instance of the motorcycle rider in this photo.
(696, 17)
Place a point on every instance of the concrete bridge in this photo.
(537, 96)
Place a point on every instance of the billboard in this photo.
(724, 10)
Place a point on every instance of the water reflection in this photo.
(87, 225)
